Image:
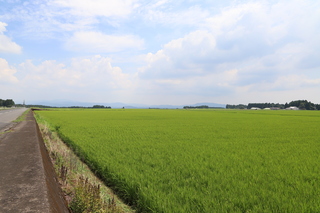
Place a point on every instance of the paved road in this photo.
(9, 115)
(27, 177)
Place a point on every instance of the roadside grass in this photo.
(84, 192)
(3, 132)
(22, 117)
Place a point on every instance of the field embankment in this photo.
(200, 160)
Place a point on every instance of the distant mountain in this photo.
(166, 106)
(210, 105)
(61, 103)
(67, 103)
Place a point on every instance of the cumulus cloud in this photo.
(196, 49)
(7, 73)
(182, 57)
(6, 45)
(92, 72)
(264, 42)
(194, 54)
(99, 42)
(88, 78)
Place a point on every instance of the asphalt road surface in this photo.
(27, 178)
(9, 115)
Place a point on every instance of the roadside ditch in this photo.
(82, 190)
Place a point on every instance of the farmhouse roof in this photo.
(292, 108)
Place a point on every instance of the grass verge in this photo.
(22, 117)
(83, 191)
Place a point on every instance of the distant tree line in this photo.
(201, 107)
(265, 105)
(239, 106)
(34, 106)
(301, 104)
(196, 107)
(101, 106)
(6, 103)
(74, 107)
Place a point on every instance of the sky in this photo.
(160, 51)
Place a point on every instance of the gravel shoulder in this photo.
(27, 179)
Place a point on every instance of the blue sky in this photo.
(160, 52)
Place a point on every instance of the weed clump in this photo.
(87, 198)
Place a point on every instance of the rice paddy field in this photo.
(200, 160)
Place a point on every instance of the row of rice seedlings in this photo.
(202, 161)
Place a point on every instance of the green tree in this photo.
(302, 105)
(98, 106)
(8, 103)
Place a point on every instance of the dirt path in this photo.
(27, 178)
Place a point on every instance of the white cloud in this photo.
(56, 18)
(264, 42)
(86, 72)
(182, 57)
(97, 7)
(6, 45)
(7, 73)
(98, 72)
(161, 12)
(291, 81)
(89, 79)
(196, 48)
(98, 42)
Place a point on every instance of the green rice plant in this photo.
(200, 160)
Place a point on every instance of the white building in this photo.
(255, 108)
(292, 108)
